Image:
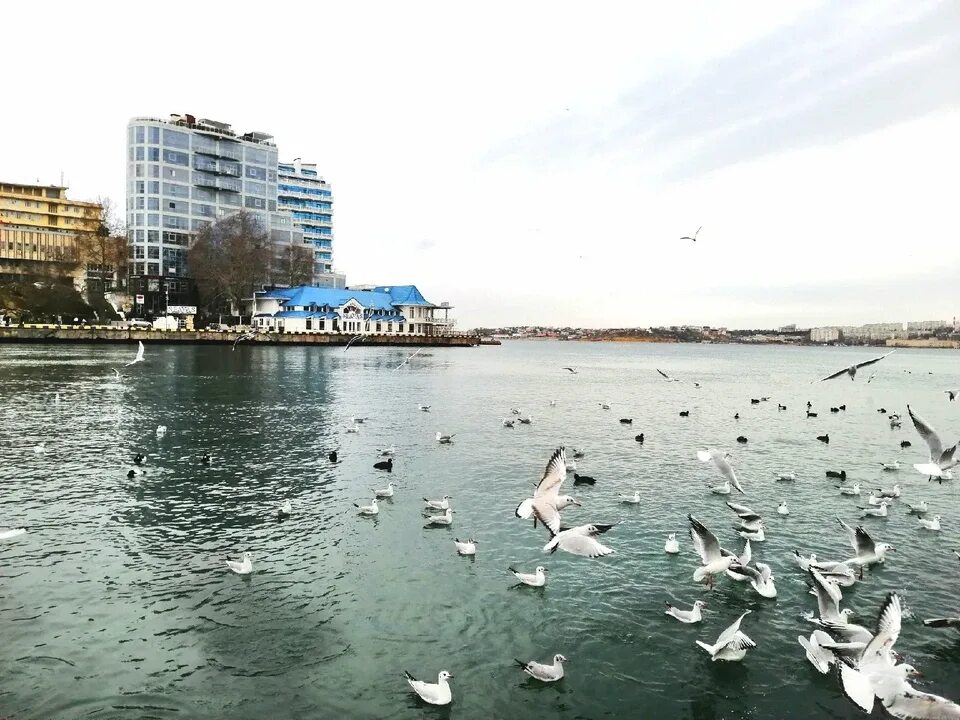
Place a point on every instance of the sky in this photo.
(538, 162)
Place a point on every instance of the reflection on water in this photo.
(118, 603)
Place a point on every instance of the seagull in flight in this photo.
(721, 461)
(581, 540)
(694, 238)
(573, 371)
(139, 357)
(547, 502)
(667, 377)
(952, 394)
(732, 645)
(852, 370)
(713, 558)
(940, 460)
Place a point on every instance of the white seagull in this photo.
(878, 511)
(441, 504)
(437, 693)
(667, 377)
(782, 508)
(720, 459)
(820, 657)
(694, 615)
(573, 371)
(445, 439)
(541, 672)
(743, 559)
(868, 552)
(423, 408)
(547, 502)
(446, 518)
(581, 540)
(891, 467)
(631, 499)
(940, 460)
(370, 509)
(507, 423)
(852, 490)
(933, 524)
(139, 357)
(537, 578)
(385, 492)
(786, 477)
(671, 547)
(354, 429)
(243, 566)
(760, 577)
(161, 431)
(286, 508)
(713, 558)
(721, 489)
(920, 508)
(468, 547)
(852, 370)
(694, 238)
(10, 534)
(732, 645)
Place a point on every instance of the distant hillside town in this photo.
(919, 333)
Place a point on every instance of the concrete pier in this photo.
(108, 334)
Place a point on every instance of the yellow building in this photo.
(39, 230)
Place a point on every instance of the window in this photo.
(175, 157)
(153, 253)
(153, 134)
(153, 220)
(174, 174)
(180, 206)
(139, 235)
(178, 223)
(176, 190)
(378, 327)
(139, 155)
(138, 170)
(153, 285)
(153, 170)
(139, 219)
(309, 324)
(153, 203)
(205, 210)
(228, 198)
(200, 224)
(256, 173)
(255, 155)
(255, 203)
(203, 194)
(176, 139)
(139, 203)
(153, 187)
(139, 133)
(254, 188)
(140, 186)
(153, 154)
(153, 236)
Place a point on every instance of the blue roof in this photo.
(333, 297)
(304, 314)
(403, 294)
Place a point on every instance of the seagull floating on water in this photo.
(371, 509)
(782, 508)
(933, 524)
(852, 490)
(721, 489)
(385, 492)
(693, 615)
(441, 504)
(437, 693)
(537, 578)
(868, 552)
(920, 508)
(445, 518)
(445, 439)
(286, 510)
(852, 370)
(541, 672)
(468, 547)
(671, 547)
(244, 566)
(631, 499)
(880, 510)
(786, 477)
(12, 533)
(891, 467)
(423, 408)
(161, 431)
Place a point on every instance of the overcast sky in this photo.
(537, 162)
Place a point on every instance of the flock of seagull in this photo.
(866, 665)
(868, 669)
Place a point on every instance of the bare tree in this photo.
(103, 251)
(230, 258)
(293, 266)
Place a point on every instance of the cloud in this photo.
(822, 79)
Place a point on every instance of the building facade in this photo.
(309, 199)
(183, 174)
(41, 232)
(379, 310)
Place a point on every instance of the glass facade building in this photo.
(309, 199)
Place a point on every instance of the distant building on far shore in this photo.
(824, 334)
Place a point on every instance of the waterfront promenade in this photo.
(108, 334)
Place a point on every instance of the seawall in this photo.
(107, 334)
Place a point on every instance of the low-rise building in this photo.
(381, 310)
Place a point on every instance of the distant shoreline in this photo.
(931, 343)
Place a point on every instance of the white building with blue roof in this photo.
(377, 310)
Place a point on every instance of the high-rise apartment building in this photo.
(41, 231)
(185, 173)
(309, 198)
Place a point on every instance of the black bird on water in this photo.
(385, 465)
(781, 407)
(754, 401)
(639, 438)
(684, 413)
(834, 410)
(882, 410)
(842, 475)
(626, 421)
(809, 404)
(742, 439)
(823, 438)
(843, 407)
(736, 416)
(583, 480)
(205, 458)
(905, 443)
(811, 414)
(139, 458)
(333, 456)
